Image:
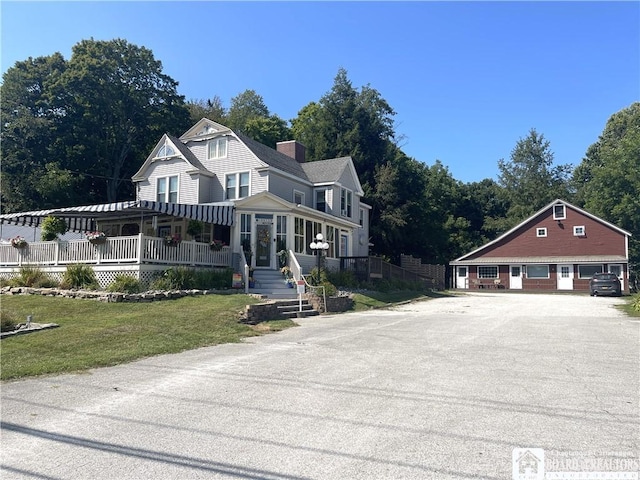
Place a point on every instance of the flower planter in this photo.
(98, 240)
(20, 246)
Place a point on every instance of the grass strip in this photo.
(94, 334)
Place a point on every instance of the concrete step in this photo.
(291, 309)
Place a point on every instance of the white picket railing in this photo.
(135, 249)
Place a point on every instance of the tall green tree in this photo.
(608, 178)
(212, 108)
(346, 121)
(32, 120)
(530, 178)
(117, 104)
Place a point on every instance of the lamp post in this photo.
(319, 245)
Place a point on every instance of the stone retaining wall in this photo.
(102, 296)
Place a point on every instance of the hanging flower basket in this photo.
(19, 242)
(172, 240)
(96, 238)
(216, 245)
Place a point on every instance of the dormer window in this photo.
(165, 151)
(559, 212)
(217, 148)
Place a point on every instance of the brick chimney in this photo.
(293, 149)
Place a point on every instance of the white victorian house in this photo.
(249, 196)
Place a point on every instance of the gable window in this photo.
(345, 202)
(167, 189)
(579, 231)
(587, 271)
(538, 271)
(559, 212)
(237, 185)
(298, 197)
(165, 151)
(488, 272)
(217, 148)
(321, 200)
(541, 232)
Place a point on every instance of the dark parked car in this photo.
(605, 284)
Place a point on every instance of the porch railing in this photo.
(135, 249)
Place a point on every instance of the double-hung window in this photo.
(321, 200)
(217, 148)
(237, 185)
(167, 189)
(346, 198)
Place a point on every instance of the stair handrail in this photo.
(296, 271)
(245, 271)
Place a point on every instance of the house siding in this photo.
(283, 187)
(187, 186)
(600, 239)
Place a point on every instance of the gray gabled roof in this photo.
(187, 153)
(273, 158)
(326, 170)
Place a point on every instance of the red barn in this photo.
(558, 248)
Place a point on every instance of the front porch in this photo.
(140, 256)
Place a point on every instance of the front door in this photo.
(462, 278)
(565, 277)
(515, 277)
(618, 270)
(263, 245)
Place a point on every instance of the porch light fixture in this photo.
(319, 246)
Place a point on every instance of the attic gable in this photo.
(169, 148)
(204, 130)
(330, 171)
(551, 207)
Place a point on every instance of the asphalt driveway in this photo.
(439, 389)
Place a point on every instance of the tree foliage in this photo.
(76, 131)
(608, 178)
(530, 179)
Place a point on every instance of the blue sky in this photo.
(467, 79)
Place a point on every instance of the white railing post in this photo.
(140, 248)
(56, 251)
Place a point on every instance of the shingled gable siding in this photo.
(238, 159)
(283, 187)
(560, 240)
(187, 186)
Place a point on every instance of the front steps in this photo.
(291, 309)
(271, 284)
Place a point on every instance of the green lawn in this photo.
(373, 299)
(94, 334)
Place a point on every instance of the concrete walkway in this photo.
(441, 389)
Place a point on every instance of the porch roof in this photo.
(578, 259)
(83, 217)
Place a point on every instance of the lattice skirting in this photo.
(106, 274)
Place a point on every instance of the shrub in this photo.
(8, 321)
(79, 276)
(32, 277)
(126, 284)
(635, 302)
(213, 279)
(179, 278)
(52, 227)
